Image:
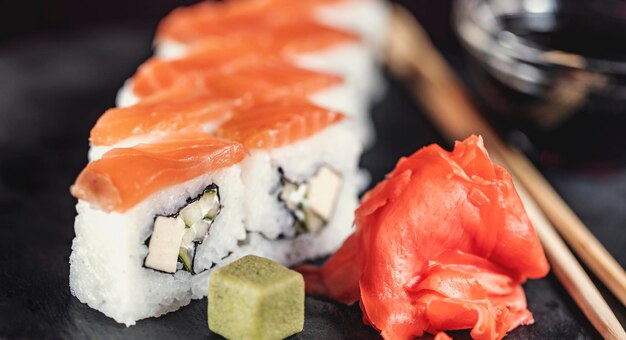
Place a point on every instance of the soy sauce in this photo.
(574, 115)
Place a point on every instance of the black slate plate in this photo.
(52, 89)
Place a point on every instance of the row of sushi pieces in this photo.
(242, 135)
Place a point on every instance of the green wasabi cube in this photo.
(256, 298)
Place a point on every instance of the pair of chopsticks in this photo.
(412, 57)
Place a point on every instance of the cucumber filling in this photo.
(174, 239)
(312, 202)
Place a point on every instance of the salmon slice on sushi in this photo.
(200, 102)
(366, 18)
(354, 59)
(262, 80)
(173, 112)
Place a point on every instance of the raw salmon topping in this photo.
(183, 110)
(187, 24)
(267, 78)
(126, 176)
(272, 42)
(443, 243)
(277, 123)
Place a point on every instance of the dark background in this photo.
(22, 19)
(61, 63)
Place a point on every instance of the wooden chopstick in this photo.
(411, 56)
(570, 273)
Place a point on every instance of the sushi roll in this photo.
(155, 219)
(315, 35)
(300, 185)
(366, 18)
(202, 101)
(210, 66)
(354, 59)
(324, 89)
(147, 212)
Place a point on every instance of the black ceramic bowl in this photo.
(553, 69)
